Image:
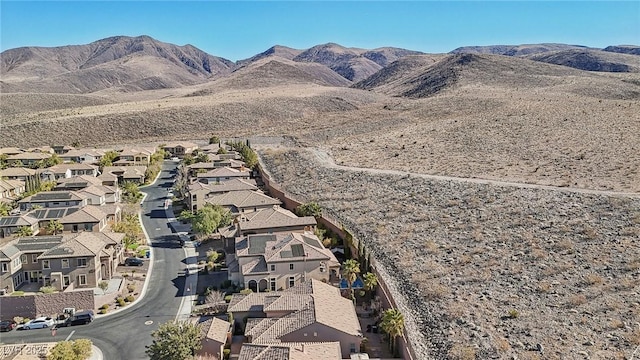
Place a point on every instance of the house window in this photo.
(82, 279)
(34, 258)
(352, 348)
(65, 263)
(272, 284)
(82, 262)
(75, 228)
(87, 227)
(66, 280)
(273, 267)
(23, 258)
(16, 262)
(292, 281)
(5, 267)
(290, 266)
(46, 264)
(315, 334)
(194, 197)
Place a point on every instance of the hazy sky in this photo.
(237, 30)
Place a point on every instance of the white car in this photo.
(39, 323)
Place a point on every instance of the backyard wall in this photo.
(31, 306)
(357, 248)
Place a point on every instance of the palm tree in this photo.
(54, 227)
(5, 209)
(392, 324)
(350, 270)
(24, 231)
(370, 281)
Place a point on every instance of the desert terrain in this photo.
(483, 269)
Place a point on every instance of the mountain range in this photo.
(129, 64)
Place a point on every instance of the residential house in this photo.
(85, 156)
(65, 171)
(82, 260)
(93, 188)
(88, 218)
(291, 351)
(180, 149)
(310, 312)
(242, 201)
(273, 219)
(222, 174)
(133, 173)
(217, 333)
(62, 261)
(197, 192)
(27, 159)
(62, 149)
(53, 199)
(10, 225)
(77, 182)
(108, 179)
(18, 173)
(19, 261)
(11, 189)
(42, 149)
(134, 156)
(270, 262)
(10, 151)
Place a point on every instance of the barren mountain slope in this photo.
(17, 103)
(485, 271)
(277, 51)
(591, 60)
(107, 62)
(275, 71)
(624, 49)
(386, 55)
(514, 50)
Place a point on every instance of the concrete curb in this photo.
(96, 353)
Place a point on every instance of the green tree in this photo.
(206, 220)
(3, 161)
(202, 158)
(24, 231)
(175, 341)
(71, 350)
(53, 160)
(54, 226)
(47, 185)
(370, 281)
(214, 140)
(131, 192)
(188, 160)
(5, 208)
(107, 159)
(158, 156)
(350, 271)
(17, 163)
(392, 324)
(221, 151)
(309, 209)
(186, 216)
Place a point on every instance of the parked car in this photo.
(79, 318)
(39, 323)
(133, 261)
(7, 325)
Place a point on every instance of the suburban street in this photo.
(124, 335)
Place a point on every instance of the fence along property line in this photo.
(356, 247)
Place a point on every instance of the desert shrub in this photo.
(513, 314)
(47, 289)
(576, 300)
(102, 311)
(227, 298)
(131, 288)
(105, 306)
(121, 302)
(17, 293)
(593, 279)
(129, 298)
(226, 353)
(462, 352)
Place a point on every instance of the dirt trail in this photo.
(327, 161)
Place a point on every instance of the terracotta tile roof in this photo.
(255, 266)
(291, 351)
(7, 185)
(110, 238)
(10, 150)
(248, 302)
(217, 329)
(87, 214)
(79, 181)
(275, 217)
(29, 156)
(224, 172)
(288, 246)
(94, 190)
(233, 185)
(81, 244)
(323, 305)
(110, 209)
(17, 172)
(242, 199)
(61, 168)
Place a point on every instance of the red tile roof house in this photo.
(270, 262)
(243, 201)
(198, 192)
(311, 311)
(217, 333)
(28, 159)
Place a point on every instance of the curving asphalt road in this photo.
(124, 334)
